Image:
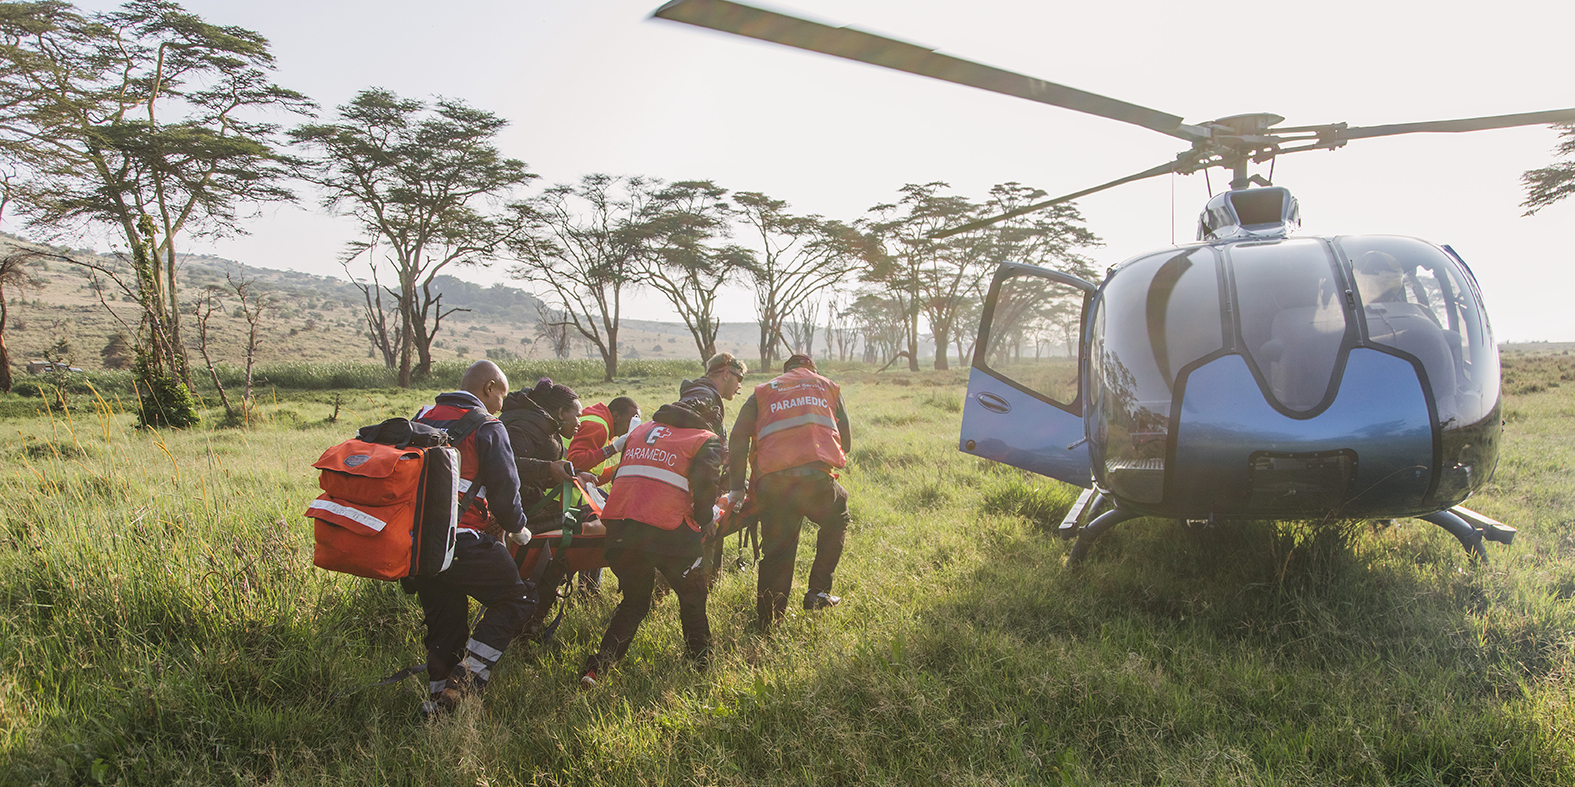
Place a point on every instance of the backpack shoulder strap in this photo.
(461, 429)
(467, 424)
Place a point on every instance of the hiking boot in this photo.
(588, 680)
(460, 684)
(820, 600)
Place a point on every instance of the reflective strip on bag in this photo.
(353, 514)
(798, 420)
(656, 474)
(464, 486)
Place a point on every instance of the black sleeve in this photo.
(535, 473)
(704, 472)
(495, 470)
(844, 432)
(738, 444)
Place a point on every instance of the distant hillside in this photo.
(318, 319)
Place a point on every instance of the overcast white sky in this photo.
(599, 87)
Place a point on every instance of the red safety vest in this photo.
(796, 422)
(652, 485)
(474, 517)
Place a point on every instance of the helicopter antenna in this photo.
(1229, 143)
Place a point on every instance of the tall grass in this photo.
(160, 623)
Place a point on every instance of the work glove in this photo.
(522, 538)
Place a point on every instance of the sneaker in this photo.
(820, 600)
(588, 680)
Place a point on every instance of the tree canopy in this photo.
(420, 180)
(1554, 182)
(146, 119)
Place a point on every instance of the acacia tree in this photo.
(943, 280)
(419, 180)
(587, 243)
(879, 321)
(909, 263)
(798, 258)
(687, 266)
(1554, 182)
(142, 119)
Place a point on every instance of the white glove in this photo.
(617, 443)
(522, 538)
(634, 421)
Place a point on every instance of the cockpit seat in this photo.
(1299, 357)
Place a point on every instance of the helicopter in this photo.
(1254, 374)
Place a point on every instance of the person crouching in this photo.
(658, 513)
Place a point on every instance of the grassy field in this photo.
(161, 623)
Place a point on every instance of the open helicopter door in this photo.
(1025, 402)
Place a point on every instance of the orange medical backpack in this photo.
(390, 505)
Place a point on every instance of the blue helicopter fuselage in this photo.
(1251, 377)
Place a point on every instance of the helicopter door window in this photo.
(1292, 319)
(1415, 299)
(1033, 336)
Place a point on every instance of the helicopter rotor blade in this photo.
(844, 42)
(1163, 169)
(1464, 124)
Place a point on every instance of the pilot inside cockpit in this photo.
(1396, 321)
(1379, 278)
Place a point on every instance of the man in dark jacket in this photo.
(537, 419)
(481, 568)
(724, 375)
(658, 513)
(801, 435)
(534, 433)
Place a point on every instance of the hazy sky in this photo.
(596, 86)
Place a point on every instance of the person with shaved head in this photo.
(460, 661)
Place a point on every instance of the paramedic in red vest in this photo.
(595, 447)
(657, 513)
(460, 661)
(800, 429)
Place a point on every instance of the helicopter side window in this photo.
(1292, 319)
(1415, 299)
(1033, 336)
(1170, 304)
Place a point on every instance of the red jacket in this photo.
(588, 450)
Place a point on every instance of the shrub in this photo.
(162, 400)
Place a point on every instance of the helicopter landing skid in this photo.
(1088, 503)
(1092, 531)
(1472, 529)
